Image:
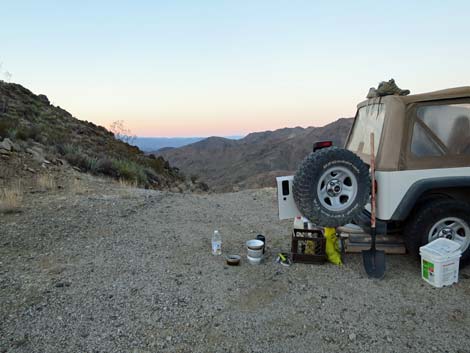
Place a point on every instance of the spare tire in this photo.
(331, 186)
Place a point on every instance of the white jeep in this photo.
(422, 148)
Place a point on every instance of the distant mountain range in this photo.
(255, 160)
(151, 144)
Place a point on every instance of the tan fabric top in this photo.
(450, 93)
(393, 148)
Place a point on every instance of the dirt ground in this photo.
(105, 268)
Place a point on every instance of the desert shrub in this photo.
(116, 168)
(106, 166)
(127, 184)
(27, 111)
(22, 134)
(157, 164)
(12, 133)
(130, 170)
(25, 133)
(59, 147)
(194, 178)
(152, 176)
(121, 132)
(78, 160)
(6, 125)
(67, 148)
(46, 182)
(93, 164)
(76, 157)
(55, 136)
(11, 198)
(76, 186)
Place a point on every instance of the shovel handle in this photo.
(372, 174)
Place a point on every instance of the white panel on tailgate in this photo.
(285, 198)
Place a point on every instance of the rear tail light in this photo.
(322, 144)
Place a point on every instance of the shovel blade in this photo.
(374, 263)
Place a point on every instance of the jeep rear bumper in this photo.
(363, 221)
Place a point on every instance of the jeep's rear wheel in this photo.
(331, 186)
(452, 228)
(440, 219)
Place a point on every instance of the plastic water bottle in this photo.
(216, 243)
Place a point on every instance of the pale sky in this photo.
(201, 68)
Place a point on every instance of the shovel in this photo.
(374, 260)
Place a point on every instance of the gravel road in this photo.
(127, 270)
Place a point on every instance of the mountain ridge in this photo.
(255, 160)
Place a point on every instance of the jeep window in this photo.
(422, 145)
(441, 129)
(369, 119)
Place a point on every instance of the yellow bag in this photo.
(332, 251)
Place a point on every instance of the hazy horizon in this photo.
(234, 137)
(205, 68)
(152, 144)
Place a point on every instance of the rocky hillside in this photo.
(255, 160)
(34, 131)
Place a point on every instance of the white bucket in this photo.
(440, 262)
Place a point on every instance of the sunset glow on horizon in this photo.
(228, 68)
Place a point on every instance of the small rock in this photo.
(14, 146)
(20, 342)
(352, 336)
(6, 144)
(62, 284)
(389, 339)
(43, 98)
(56, 270)
(203, 186)
(37, 153)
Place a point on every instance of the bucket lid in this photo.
(441, 247)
